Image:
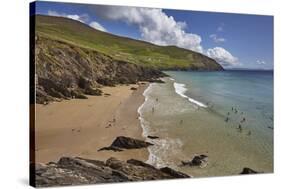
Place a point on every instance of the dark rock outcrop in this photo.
(129, 143)
(112, 148)
(174, 173)
(152, 137)
(198, 160)
(75, 171)
(123, 142)
(133, 88)
(247, 170)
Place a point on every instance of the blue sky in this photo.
(234, 40)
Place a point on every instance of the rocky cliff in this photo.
(74, 171)
(65, 71)
(73, 60)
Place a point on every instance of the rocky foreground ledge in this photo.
(75, 171)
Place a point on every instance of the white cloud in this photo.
(217, 39)
(222, 56)
(220, 27)
(157, 27)
(261, 62)
(154, 25)
(81, 18)
(97, 26)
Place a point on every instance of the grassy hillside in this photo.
(121, 48)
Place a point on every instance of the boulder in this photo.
(152, 137)
(247, 170)
(129, 143)
(197, 160)
(133, 88)
(121, 143)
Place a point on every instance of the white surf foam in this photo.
(142, 120)
(180, 89)
(159, 153)
(160, 150)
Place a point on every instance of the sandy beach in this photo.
(80, 127)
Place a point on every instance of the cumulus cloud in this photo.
(261, 62)
(81, 18)
(220, 28)
(97, 26)
(217, 39)
(155, 26)
(222, 56)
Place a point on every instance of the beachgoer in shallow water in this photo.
(181, 121)
(226, 119)
(249, 133)
(243, 120)
(228, 113)
(152, 109)
(231, 108)
(240, 127)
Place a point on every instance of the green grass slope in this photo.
(121, 48)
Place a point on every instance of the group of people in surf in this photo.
(240, 124)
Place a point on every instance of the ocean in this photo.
(227, 116)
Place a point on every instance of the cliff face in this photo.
(73, 60)
(66, 71)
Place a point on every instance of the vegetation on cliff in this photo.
(73, 60)
(122, 48)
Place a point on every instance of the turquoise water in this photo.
(250, 92)
(189, 112)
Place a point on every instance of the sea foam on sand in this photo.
(161, 146)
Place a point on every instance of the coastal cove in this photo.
(117, 108)
(180, 121)
(192, 114)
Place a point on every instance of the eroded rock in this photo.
(247, 170)
(123, 142)
(152, 137)
(197, 160)
(75, 171)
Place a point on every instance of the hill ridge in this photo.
(123, 48)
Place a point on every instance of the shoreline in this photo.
(182, 129)
(80, 127)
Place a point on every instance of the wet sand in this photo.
(80, 127)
